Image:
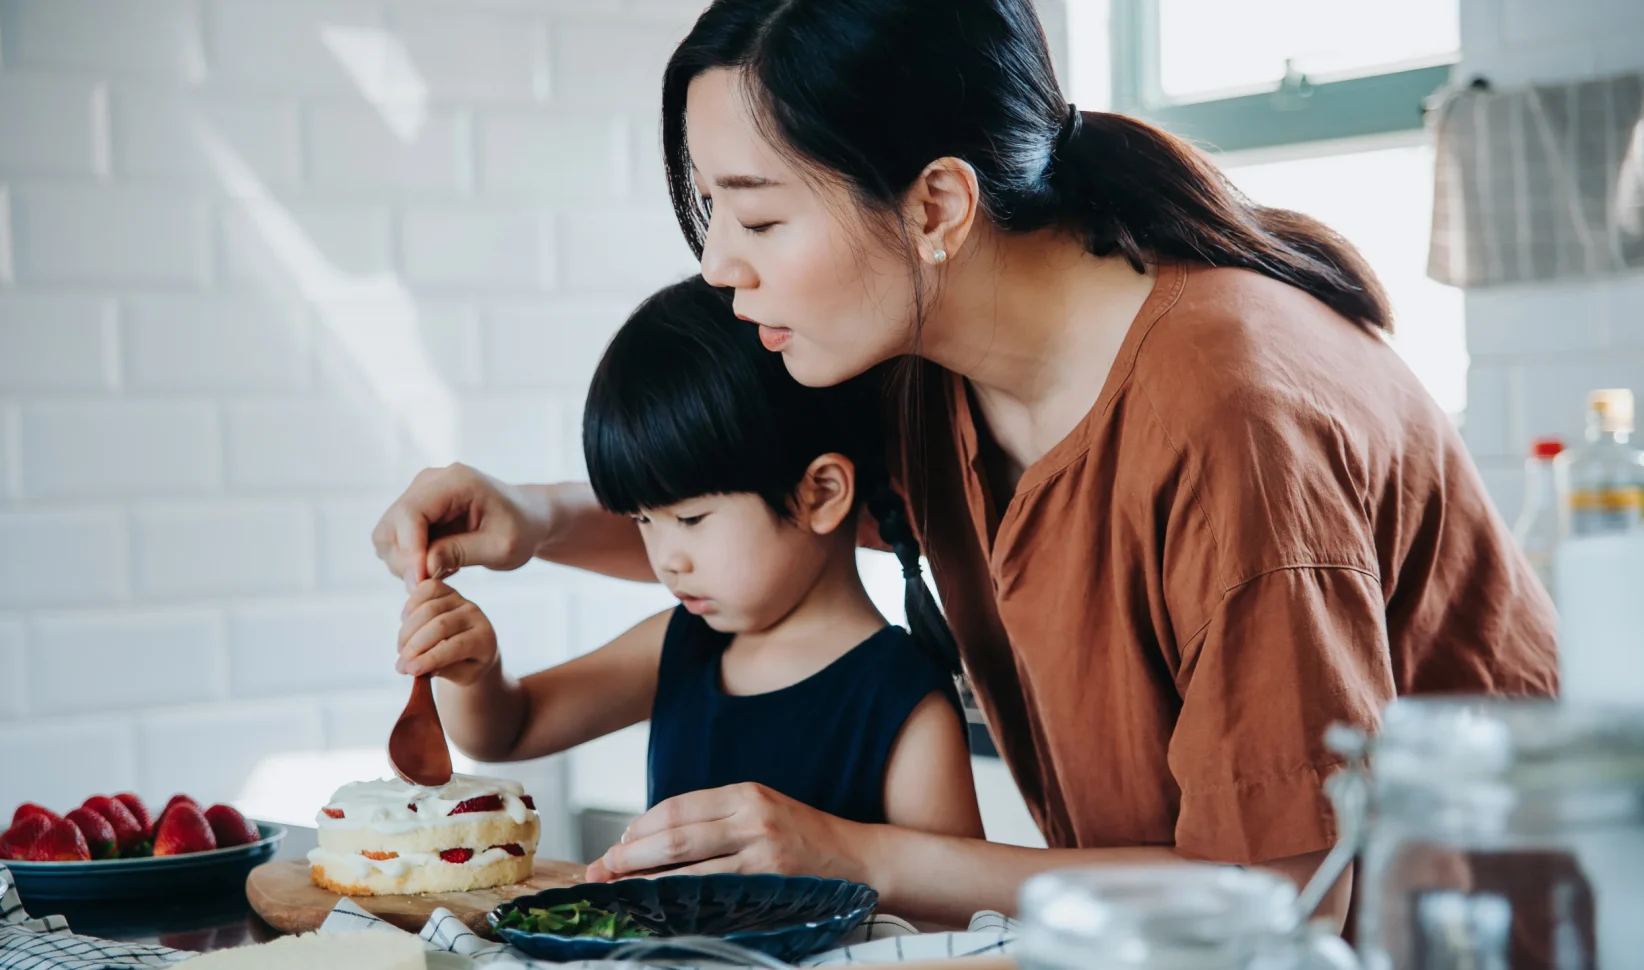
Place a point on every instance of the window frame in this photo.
(1328, 109)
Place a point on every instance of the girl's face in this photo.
(827, 290)
(732, 561)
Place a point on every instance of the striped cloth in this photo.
(1540, 183)
(48, 944)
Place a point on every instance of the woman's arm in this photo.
(453, 517)
(584, 535)
(920, 876)
(928, 784)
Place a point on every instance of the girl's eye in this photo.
(760, 229)
(640, 519)
(690, 520)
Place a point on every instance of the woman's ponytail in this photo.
(925, 621)
(1133, 190)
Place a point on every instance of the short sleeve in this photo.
(1282, 657)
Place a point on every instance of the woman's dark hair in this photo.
(686, 403)
(873, 91)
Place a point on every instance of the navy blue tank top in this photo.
(824, 741)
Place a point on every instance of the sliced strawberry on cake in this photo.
(388, 837)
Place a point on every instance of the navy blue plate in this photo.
(175, 875)
(786, 917)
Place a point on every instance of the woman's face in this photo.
(827, 290)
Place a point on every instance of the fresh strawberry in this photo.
(183, 829)
(138, 811)
(99, 832)
(484, 803)
(176, 800)
(128, 834)
(411, 805)
(62, 842)
(512, 848)
(29, 808)
(458, 856)
(332, 812)
(19, 837)
(230, 827)
(530, 802)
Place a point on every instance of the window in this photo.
(1313, 105)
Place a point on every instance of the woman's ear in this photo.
(827, 494)
(941, 207)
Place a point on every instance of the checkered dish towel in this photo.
(1539, 183)
(48, 944)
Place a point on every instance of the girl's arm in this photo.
(491, 716)
(928, 783)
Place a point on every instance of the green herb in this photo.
(580, 918)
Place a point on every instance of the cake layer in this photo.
(355, 875)
(392, 806)
(478, 831)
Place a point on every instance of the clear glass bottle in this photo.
(1601, 482)
(1538, 529)
(1502, 835)
(1186, 917)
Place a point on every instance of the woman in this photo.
(1185, 505)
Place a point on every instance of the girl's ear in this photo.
(826, 494)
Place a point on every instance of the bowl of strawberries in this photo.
(111, 847)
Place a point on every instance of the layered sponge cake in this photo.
(380, 838)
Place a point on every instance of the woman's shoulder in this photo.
(1239, 350)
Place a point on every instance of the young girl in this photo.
(775, 669)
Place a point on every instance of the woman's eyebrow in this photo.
(745, 182)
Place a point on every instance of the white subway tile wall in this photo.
(259, 262)
(1536, 350)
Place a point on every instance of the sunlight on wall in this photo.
(373, 318)
(381, 67)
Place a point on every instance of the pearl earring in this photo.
(939, 257)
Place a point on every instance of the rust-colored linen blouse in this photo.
(1265, 525)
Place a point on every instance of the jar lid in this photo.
(1127, 913)
(1536, 743)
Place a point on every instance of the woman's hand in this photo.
(745, 828)
(454, 517)
(445, 635)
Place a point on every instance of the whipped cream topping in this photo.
(385, 805)
(361, 867)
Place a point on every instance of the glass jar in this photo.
(1501, 835)
(1186, 917)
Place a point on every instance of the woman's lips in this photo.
(694, 605)
(774, 338)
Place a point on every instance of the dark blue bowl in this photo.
(786, 917)
(198, 873)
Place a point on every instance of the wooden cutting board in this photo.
(283, 895)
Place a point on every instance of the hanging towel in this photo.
(1542, 183)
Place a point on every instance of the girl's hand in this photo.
(745, 828)
(445, 635)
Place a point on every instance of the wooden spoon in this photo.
(416, 747)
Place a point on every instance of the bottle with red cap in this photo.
(1538, 529)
